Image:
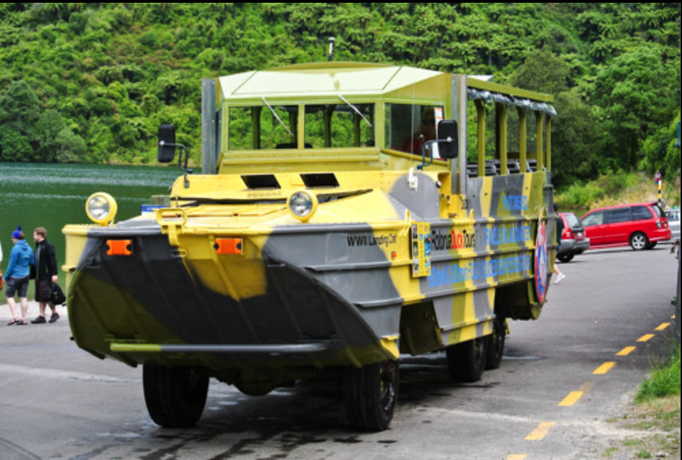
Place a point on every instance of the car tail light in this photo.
(567, 234)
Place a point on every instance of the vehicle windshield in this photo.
(596, 218)
(272, 126)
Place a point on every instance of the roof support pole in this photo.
(459, 114)
(209, 150)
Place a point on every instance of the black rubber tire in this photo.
(176, 396)
(565, 258)
(652, 245)
(638, 241)
(371, 394)
(496, 344)
(467, 360)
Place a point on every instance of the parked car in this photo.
(674, 222)
(641, 225)
(573, 239)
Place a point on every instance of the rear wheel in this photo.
(176, 396)
(371, 393)
(639, 241)
(467, 360)
(565, 257)
(652, 245)
(496, 343)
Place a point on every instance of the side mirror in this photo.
(166, 152)
(447, 139)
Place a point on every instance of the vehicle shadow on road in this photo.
(304, 414)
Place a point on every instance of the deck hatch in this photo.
(314, 180)
(260, 181)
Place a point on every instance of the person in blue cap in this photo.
(17, 276)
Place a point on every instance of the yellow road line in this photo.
(572, 398)
(645, 338)
(662, 326)
(517, 457)
(626, 351)
(540, 431)
(604, 368)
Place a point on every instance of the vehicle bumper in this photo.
(581, 246)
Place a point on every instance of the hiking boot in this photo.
(39, 320)
(53, 318)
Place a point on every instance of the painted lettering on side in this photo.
(480, 269)
(444, 240)
(514, 202)
(497, 236)
(371, 240)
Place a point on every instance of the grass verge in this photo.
(654, 417)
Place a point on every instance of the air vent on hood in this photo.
(320, 180)
(258, 181)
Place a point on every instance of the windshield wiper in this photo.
(277, 116)
(356, 110)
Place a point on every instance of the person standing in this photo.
(2, 279)
(17, 275)
(45, 269)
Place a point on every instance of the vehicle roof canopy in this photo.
(322, 81)
(329, 79)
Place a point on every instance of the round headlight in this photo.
(101, 208)
(302, 205)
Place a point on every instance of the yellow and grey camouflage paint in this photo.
(392, 262)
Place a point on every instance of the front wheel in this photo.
(466, 360)
(371, 393)
(639, 241)
(175, 396)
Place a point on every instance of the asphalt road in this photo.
(544, 402)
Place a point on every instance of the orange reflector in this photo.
(120, 247)
(228, 245)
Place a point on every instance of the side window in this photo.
(616, 216)
(409, 126)
(596, 218)
(658, 211)
(640, 213)
(258, 128)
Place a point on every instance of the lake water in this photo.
(51, 196)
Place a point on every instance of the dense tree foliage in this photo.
(91, 82)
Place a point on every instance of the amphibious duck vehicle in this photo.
(337, 224)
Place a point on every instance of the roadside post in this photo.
(659, 184)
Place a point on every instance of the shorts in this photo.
(17, 285)
(43, 288)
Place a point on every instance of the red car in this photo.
(573, 239)
(641, 225)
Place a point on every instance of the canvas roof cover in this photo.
(322, 79)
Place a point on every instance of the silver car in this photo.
(674, 222)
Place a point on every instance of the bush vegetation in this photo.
(91, 82)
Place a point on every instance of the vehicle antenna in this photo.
(330, 56)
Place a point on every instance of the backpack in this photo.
(57, 296)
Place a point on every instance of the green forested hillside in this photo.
(84, 82)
